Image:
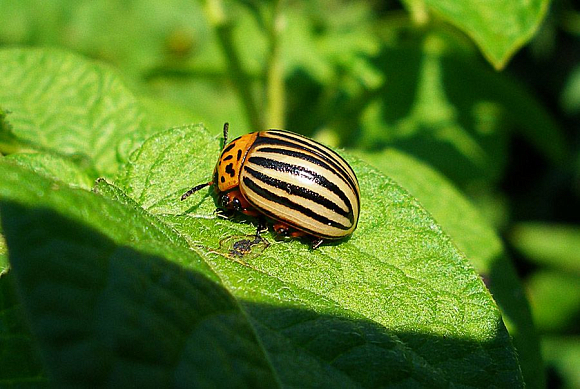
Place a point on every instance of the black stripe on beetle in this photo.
(301, 145)
(306, 157)
(264, 193)
(301, 171)
(314, 146)
(301, 192)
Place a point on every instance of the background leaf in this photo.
(552, 245)
(564, 355)
(3, 255)
(555, 297)
(499, 28)
(54, 167)
(83, 111)
(424, 108)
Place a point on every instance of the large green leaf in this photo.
(142, 283)
(399, 272)
(410, 313)
(114, 300)
(472, 235)
(56, 101)
(499, 27)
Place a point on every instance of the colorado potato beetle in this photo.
(305, 188)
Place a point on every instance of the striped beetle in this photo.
(305, 188)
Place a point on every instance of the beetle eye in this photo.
(224, 201)
(237, 204)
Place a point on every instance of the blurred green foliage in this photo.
(416, 77)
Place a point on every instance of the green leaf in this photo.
(555, 299)
(135, 36)
(557, 246)
(498, 27)
(477, 239)
(570, 98)
(113, 301)
(62, 103)
(398, 279)
(166, 115)
(19, 357)
(9, 143)
(563, 354)
(443, 107)
(54, 167)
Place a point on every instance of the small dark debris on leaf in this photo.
(243, 246)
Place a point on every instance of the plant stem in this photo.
(418, 10)
(241, 81)
(275, 88)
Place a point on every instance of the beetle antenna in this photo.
(195, 189)
(226, 128)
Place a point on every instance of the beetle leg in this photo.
(224, 213)
(261, 227)
(316, 242)
(195, 189)
(284, 230)
(234, 201)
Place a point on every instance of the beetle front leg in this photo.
(224, 213)
(316, 242)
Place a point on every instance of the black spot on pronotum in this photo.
(229, 147)
(239, 154)
(230, 170)
(228, 157)
(222, 179)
